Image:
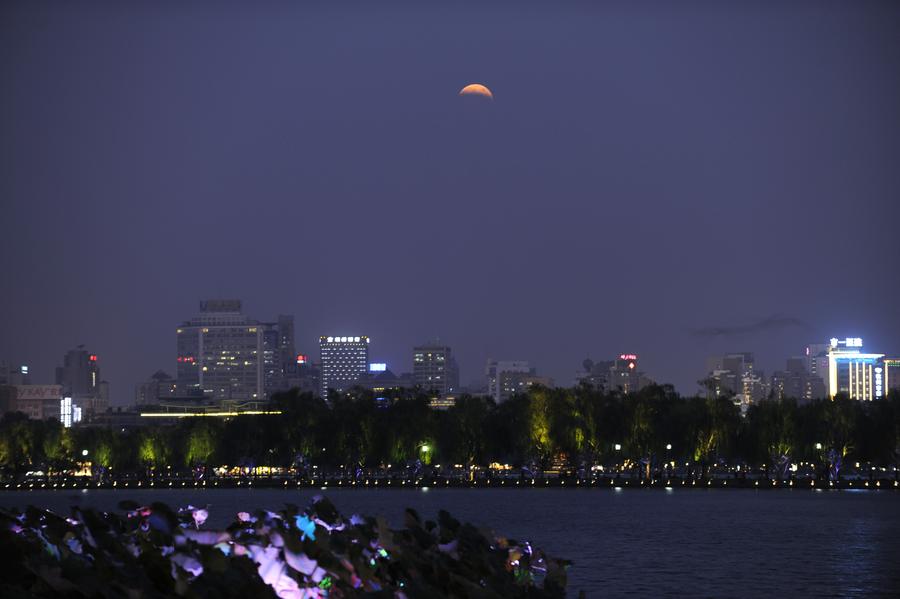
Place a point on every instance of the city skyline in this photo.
(674, 183)
(617, 278)
(479, 380)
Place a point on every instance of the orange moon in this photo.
(476, 89)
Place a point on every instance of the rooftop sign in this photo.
(848, 342)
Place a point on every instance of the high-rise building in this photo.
(80, 372)
(344, 360)
(854, 373)
(817, 361)
(595, 374)
(793, 379)
(224, 355)
(453, 375)
(506, 378)
(286, 347)
(160, 386)
(434, 369)
(891, 374)
(79, 377)
(796, 382)
(734, 375)
(625, 376)
(301, 374)
(279, 354)
(18, 374)
(499, 377)
(754, 389)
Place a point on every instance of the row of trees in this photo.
(576, 426)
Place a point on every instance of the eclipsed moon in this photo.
(476, 89)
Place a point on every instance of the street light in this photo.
(425, 448)
(618, 447)
(819, 446)
(84, 452)
(668, 447)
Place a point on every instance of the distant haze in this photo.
(671, 180)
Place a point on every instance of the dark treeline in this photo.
(572, 427)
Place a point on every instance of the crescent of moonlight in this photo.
(476, 89)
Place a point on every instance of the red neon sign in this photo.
(628, 357)
(92, 358)
(302, 359)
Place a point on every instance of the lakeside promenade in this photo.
(881, 481)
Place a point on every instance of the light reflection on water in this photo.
(631, 541)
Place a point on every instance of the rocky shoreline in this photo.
(156, 551)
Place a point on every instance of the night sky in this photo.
(671, 181)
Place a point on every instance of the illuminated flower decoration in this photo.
(306, 526)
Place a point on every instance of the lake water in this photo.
(641, 542)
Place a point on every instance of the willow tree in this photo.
(201, 444)
(152, 449)
(539, 424)
(57, 446)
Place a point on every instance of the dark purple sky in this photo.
(643, 173)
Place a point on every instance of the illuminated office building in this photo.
(224, 355)
(854, 373)
(434, 369)
(891, 375)
(506, 377)
(344, 361)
